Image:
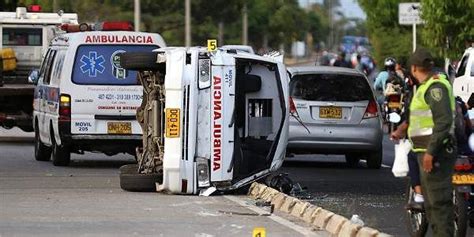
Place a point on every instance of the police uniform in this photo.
(431, 130)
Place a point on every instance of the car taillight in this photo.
(463, 167)
(394, 98)
(64, 107)
(372, 110)
(292, 106)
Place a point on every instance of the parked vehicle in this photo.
(211, 120)
(334, 112)
(24, 39)
(84, 100)
(463, 84)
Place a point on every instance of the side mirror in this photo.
(394, 117)
(33, 77)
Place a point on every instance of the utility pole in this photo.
(245, 37)
(55, 6)
(187, 22)
(137, 14)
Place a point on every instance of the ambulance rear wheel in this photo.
(42, 152)
(139, 61)
(131, 180)
(61, 154)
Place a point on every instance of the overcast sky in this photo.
(349, 7)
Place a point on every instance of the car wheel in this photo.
(139, 61)
(42, 152)
(374, 159)
(352, 160)
(61, 154)
(131, 180)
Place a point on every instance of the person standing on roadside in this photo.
(431, 131)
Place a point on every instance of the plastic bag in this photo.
(400, 164)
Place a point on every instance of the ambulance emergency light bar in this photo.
(104, 26)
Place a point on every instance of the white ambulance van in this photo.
(84, 100)
(212, 120)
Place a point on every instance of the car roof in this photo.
(301, 70)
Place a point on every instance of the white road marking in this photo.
(302, 230)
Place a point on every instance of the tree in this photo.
(387, 37)
(448, 22)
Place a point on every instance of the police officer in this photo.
(431, 130)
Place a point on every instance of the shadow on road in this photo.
(99, 164)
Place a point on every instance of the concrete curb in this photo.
(316, 216)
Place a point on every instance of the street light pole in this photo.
(245, 37)
(187, 22)
(137, 15)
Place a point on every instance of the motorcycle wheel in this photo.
(460, 214)
(417, 224)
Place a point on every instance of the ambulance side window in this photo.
(49, 67)
(43, 66)
(58, 66)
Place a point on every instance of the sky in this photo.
(350, 8)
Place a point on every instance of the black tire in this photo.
(417, 224)
(374, 159)
(42, 152)
(61, 154)
(131, 180)
(460, 214)
(352, 160)
(139, 61)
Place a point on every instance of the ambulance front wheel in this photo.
(61, 154)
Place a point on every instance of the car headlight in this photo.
(202, 168)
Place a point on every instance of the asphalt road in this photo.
(85, 199)
(375, 195)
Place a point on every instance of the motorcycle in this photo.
(463, 200)
(393, 103)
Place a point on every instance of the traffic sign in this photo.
(409, 13)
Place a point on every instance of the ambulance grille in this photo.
(184, 154)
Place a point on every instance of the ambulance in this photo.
(84, 100)
(213, 119)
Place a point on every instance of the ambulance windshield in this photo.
(100, 64)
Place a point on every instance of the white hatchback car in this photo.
(84, 100)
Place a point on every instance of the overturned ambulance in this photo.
(210, 119)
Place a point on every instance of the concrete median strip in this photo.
(316, 216)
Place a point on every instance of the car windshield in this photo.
(100, 64)
(330, 87)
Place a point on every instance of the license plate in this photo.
(330, 112)
(172, 123)
(463, 178)
(394, 104)
(119, 128)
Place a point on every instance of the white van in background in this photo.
(463, 84)
(84, 100)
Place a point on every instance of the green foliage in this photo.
(270, 22)
(443, 20)
(388, 38)
(448, 20)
